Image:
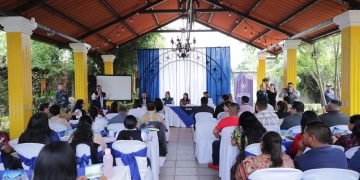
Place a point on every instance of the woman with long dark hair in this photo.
(351, 140)
(38, 131)
(159, 106)
(78, 109)
(271, 157)
(84, 135)
(131, 132)
(56, 161)
(185, 100)
(282, 109)
(249, 131)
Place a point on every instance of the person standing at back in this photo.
(290, 92)
(220, 108)
(61, 97)
(271, 91)
(317, 136)
(297, 108)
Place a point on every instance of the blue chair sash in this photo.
(129, 160)
(28, 162)
(83, 160)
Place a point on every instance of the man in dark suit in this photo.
(203, 108)
(99, 98)
(220, 108)
(144, 99)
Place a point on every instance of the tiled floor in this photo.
(180, 161)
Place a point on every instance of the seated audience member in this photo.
(185, 100)
(55, 111)
(307, 116)
(78, 109)
(168, 99)
(287, 100)
(268, 119)
(333, 116)
(232, 120)
(131, 131)
(282, 109)
(45, 108)
(210, 100)
(220, 108)
(84, 135)
(203, 108)
(99, 122)
(56, 161)
(297, 108)
(249, 132)
(38, 131)
(350, 140)
(120, 117)
(271, 157)
(225, 113)
(244, 105)
(113, 111)
(10, 162)
(317, 136)
(151, 114)
(354, 163)
(159, 106)
(231, 98)
(137, 104)
(144, 99)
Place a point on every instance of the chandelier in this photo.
(182, 44)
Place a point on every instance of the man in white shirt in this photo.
(244, 106)
(99, 98)
(55, 112)
(268, 119)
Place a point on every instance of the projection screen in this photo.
(117, 88)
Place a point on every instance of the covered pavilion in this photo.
(270, 25)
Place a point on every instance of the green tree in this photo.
(250, 61)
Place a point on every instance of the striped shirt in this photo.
(269, 120)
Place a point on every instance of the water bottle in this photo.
(108, 164)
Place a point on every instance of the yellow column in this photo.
(18, 30)
(290, 63)
(108, 64)
(261, 68)
(349, 23)
(81, 71)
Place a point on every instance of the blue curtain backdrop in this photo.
(148, 63)
(218, 72)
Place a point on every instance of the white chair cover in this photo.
(117, 127)
(333, 146)
(350, 152)
(228, 153)
(83, 155)
(1, 163)
(330, 174)
(28, 151)
(99, 124)
(13, 142)
(152, 143)
(222, 115)
(128, 147)
(204, 140)
(295, 129)
(57, 127)
(255, 149)
(276, 174)
(203, 115)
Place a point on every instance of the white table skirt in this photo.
(121, 172)
(173, 118)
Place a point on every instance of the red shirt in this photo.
(226, 122)
(295, 146)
